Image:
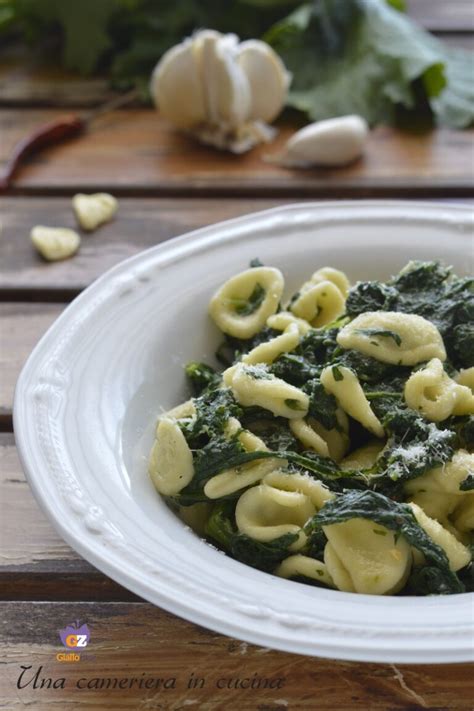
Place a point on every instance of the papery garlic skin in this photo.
(55, 243)
(268, 78)
(94, 210)
(176, 87)
(228, 91)
(221, 91)
(333, 142)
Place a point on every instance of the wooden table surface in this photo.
(167, 185)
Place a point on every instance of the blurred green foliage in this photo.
(346, 56)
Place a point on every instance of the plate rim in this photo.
(92, 553)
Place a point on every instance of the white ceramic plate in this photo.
(87, 401)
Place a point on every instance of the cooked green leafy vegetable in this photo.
(414, 446)
(264, 556)
(317, 464)
(346, 56)
(394, 516)
(245, 307)
(370, 296)
(426, 289)
(468, 483)
(430, 580)
(201, 376)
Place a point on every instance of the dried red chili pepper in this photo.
(50, 133)
(60, 129)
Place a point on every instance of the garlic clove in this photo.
(204, 43)
(55, 243)
(176, 86)
(227, 88)
(268, 79)
(93, 210)
(333, 142)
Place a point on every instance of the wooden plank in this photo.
(21, 327)
(28, 80)
(458, 41)
(139, 224)
(138, 641)
(441, 16)
(27, 536)
(134, 151)
(35, 563)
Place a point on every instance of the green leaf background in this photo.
(346, 56)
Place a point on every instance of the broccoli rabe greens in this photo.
(338, 455)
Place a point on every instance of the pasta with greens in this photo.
(334, 447)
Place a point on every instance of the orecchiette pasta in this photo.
(436, 504)
(335, 276)
(392, 337)
(438, 491)
(344, 385)
(328, 443)
(466, 377)
(337, 440)
(364, 557)
(237, 478)
(283, 319)
(458, 555)
(302, 565)
(186, 409)
(268, 461)
(320, 304)
(270, 350)
(227, 376)
(445, 479)
(338, 573)
(309, 437)
(253, 385)
(251, 442)
(364, 457)
(231, 480)
(463, 516)
(265, 513)
(433, 393)
(242, 305)
(232, 427)
(171, 461)
(312, 488)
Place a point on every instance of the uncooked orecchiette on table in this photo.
(334, 446)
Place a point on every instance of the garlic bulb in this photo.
(55, 243)
(332, 142)
(221, 91)
(93, 210)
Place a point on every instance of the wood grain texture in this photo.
(142, 642)
(134, 151)
(139, 224)
(437, 15)
(21, 327)
(36, 542)
(35, 562)
(26, 80)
